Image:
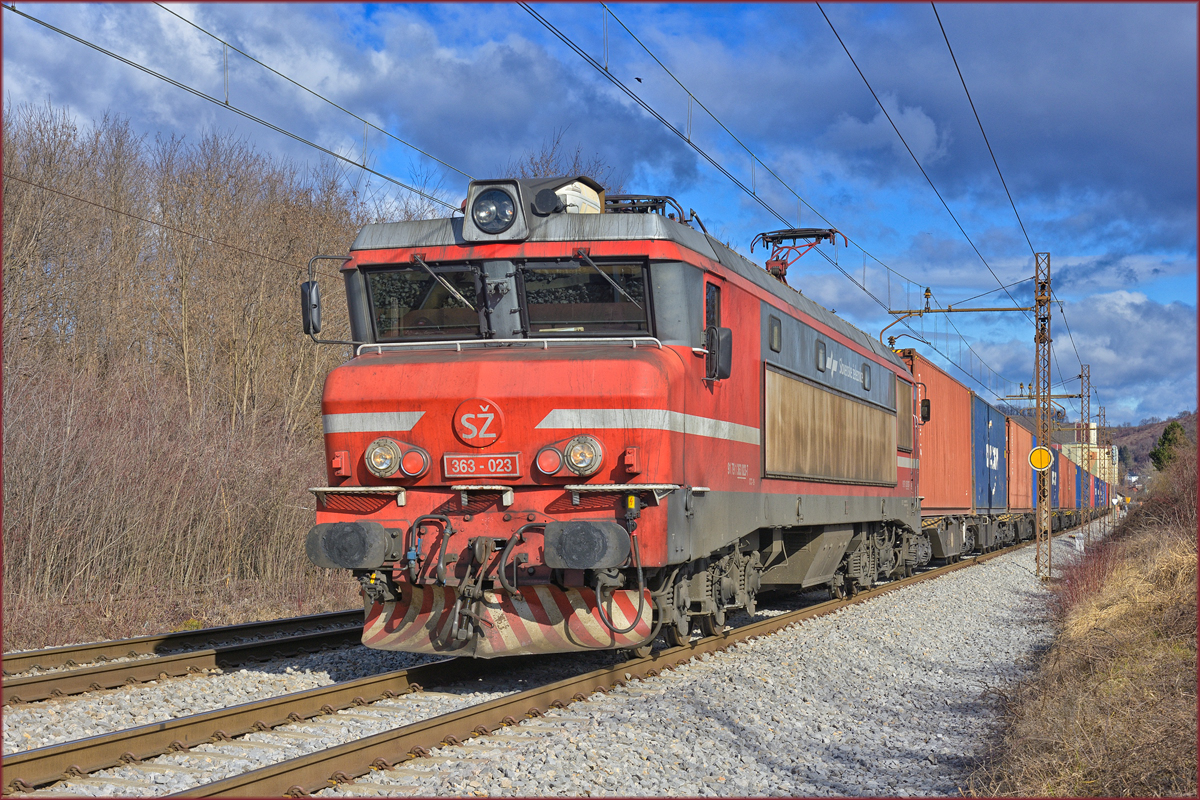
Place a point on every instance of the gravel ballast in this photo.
(885, 698)
(65, 719)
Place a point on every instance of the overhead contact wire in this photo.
(650, 110)
(982, 131)
(785, 185)
(750, 152)
(915, 159)
(999, 172)
(319, 96)
(231, 107)
(11, 177)
(720, 168)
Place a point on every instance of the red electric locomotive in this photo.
(573, 421)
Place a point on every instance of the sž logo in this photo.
(478, 422)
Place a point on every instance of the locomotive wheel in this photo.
(837, 591)
(711, 624)
(674, 637)
(640, 652)
(679, 630)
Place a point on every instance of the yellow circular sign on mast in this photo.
(1040, 458)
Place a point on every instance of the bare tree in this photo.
(554, 158)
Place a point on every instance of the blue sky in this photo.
(1090, 110)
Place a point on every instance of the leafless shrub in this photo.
(161, 408)
(554, 158)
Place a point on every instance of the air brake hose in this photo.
(637, 559)
(447, 532)
(516, 538)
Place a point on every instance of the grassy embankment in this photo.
(1112, 708)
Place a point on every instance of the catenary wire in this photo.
(926, 175)
(231, 107)
(11, 177)
(990, 291)
(789, 188)
(982, 131)
(620, 85)
(566, 40)
(914, 157)
(750, 152)
(999, 172)
(319, 96)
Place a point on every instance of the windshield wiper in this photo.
(421, 263)
(608, 278)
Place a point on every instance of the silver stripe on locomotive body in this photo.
(372, 422)
(653, 418)
(907, 463)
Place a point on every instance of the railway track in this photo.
(155, 657)
(316, 770)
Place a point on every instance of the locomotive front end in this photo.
(496, 451)
(492, 509)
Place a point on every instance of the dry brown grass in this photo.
(1112, 710)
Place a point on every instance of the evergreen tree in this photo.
(1164, 452)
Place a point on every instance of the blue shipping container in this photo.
(990, 468)
(1079, 496)
(1054, 480)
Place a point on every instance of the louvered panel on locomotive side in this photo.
(816, 434)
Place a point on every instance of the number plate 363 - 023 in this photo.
(474, 465)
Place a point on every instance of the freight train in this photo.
(575, 420)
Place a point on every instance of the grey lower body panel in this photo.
(702, 523)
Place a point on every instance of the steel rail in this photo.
(111, 676)
(343, 763)
(29, 769)
(75, 655)
(33, 768)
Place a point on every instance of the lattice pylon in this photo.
(1085, 414)
(1041, 394)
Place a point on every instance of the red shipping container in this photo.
(945, 440)
(1020, 474)
(1066, 483)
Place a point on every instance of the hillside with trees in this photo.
(1134, 442)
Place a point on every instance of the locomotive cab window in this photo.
(820, 356)
(776, 334)
(572, 298)
(712, 305)
(409, 303)
(866, 373)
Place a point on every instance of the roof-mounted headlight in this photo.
(494, 211)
